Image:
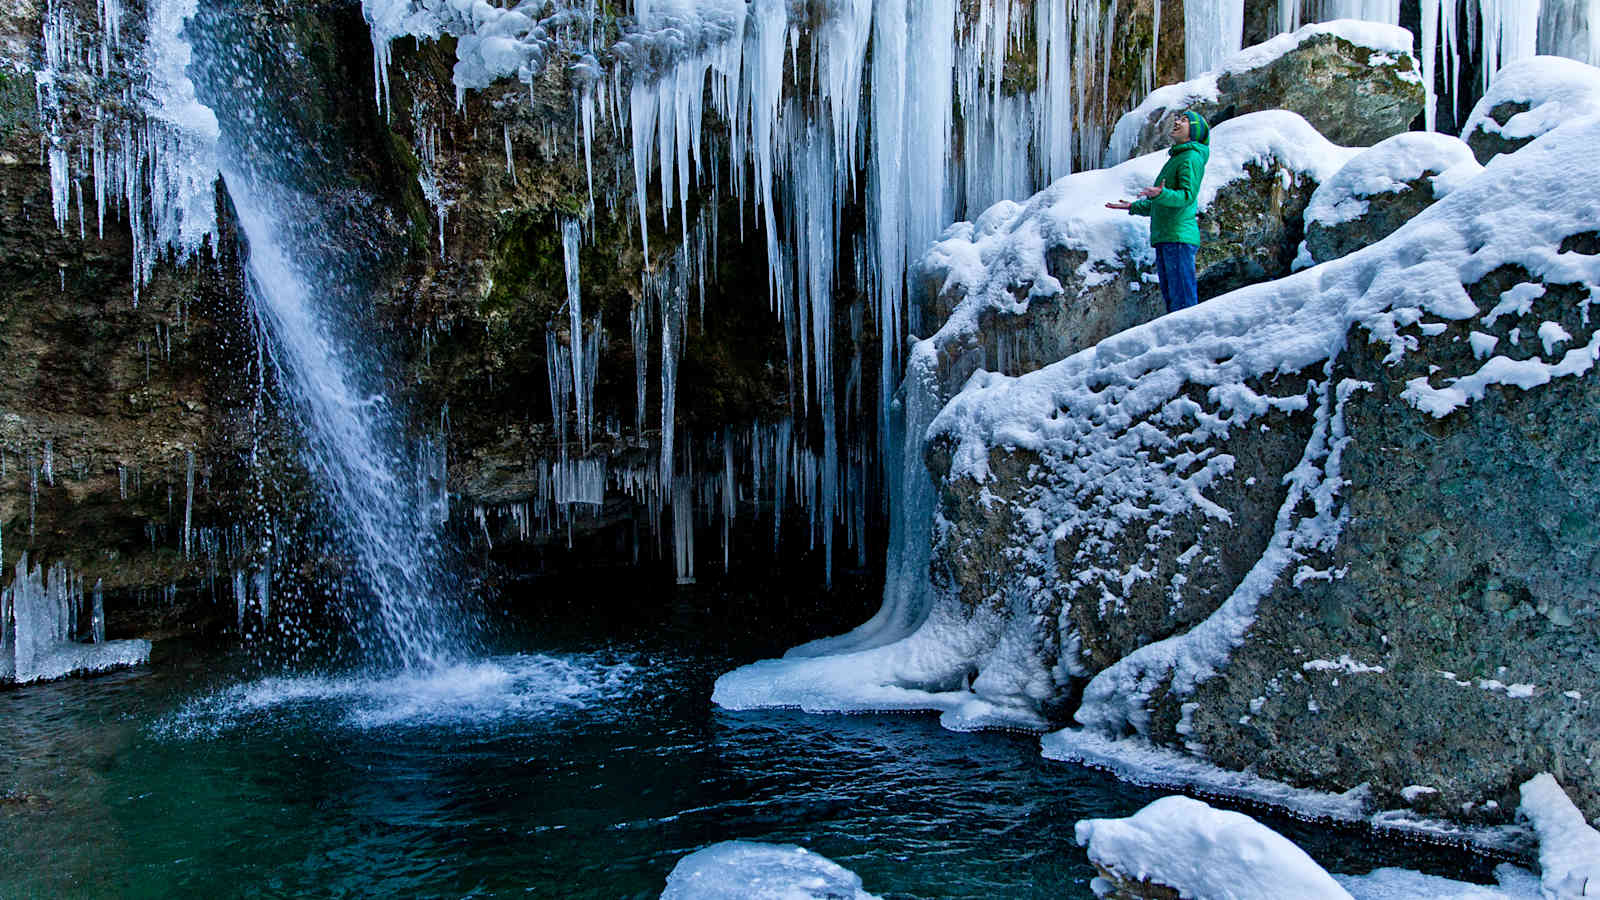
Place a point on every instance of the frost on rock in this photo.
(1063, 245)
(1569, 848)
(1186, 845)
(1387, 168)
(746, 870)
(1527, 99)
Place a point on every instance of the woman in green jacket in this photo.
(1173, 205)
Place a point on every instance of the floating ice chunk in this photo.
(1206, 853)
(1569, 849)
(746, 870)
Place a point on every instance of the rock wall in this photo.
(107, 404)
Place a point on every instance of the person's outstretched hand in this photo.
(1150, 192)
(1119, 204)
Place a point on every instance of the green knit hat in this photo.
(1199, 131)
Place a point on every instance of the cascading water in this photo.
(304, 285)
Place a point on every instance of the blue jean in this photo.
(1175, 268)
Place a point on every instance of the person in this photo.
(1173, 205)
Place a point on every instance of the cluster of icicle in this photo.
(43, 629)
(927, 133)
(766, 464)
(150, 147)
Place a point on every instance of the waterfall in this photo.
(306, 292)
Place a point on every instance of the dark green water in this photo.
(581, 761)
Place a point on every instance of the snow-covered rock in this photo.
(744, 870)
(1382, 188)
(1318, 468)
(1203, 853)
(1356, 82)
(1179, 847)
(1528, 98)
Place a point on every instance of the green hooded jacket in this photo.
(1173, 211)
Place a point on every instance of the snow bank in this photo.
(1386, 168)
(1205, 853)
(1204, 89)
(1556, 90)
(1569, 849)
(744, 870)
(1096, 416)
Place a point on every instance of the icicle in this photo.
(639, 322)
(188, 505)
(582, 389)
(1213, 31)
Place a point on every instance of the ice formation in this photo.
(1386, 168)
(915, 653)
(1569, 848)
(49, 629)
(159, 163)
(745, 870)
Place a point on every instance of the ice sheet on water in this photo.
(518, 687)
(745, 870)
(1405, 884)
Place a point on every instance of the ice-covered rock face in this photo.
(1355, 82)
(1383, 188)
(1528, 98)
(1334, 488)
